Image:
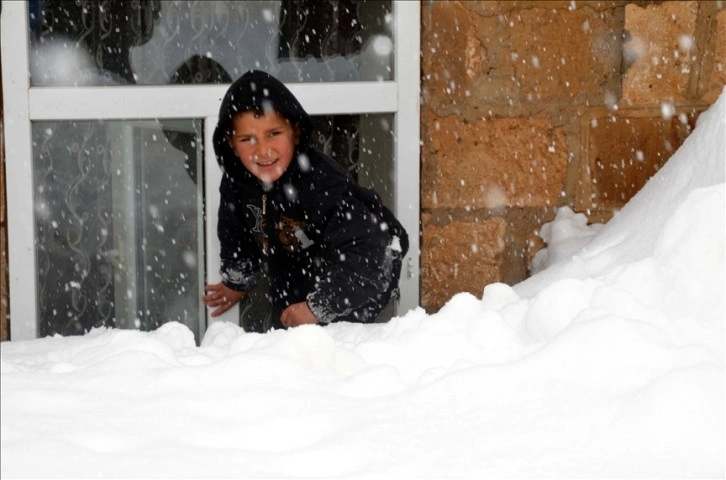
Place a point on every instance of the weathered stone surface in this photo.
(498, 7)
(493, 163)
(660, 52)
(506, 63)
(523, 241)
(625, 151)
(715, 73)
(509, 91)
(550, 55)
(459, 257)
(452, 55)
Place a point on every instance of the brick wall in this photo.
(532, 105)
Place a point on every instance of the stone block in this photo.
(529, 53)
(491, 164)
(460, 257)
(547, 55)
(623, 152)
(660, 52)
(715, 69)
(452, 54)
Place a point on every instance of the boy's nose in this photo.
(262, 151)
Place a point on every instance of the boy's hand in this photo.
(297, 314)
(221, 296)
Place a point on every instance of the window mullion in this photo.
(88, 103)
(19, 173)
(407, 149)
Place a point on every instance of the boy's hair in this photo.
(259, 92)
(257, 112)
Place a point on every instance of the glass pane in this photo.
(363, 144)
(147, 42)
(118, 224)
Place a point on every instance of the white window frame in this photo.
(24, 104)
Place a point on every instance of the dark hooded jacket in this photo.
(315, 233)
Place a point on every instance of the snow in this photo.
(607, 363)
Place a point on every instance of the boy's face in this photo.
(264, 143)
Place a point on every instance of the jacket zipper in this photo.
(264, 222)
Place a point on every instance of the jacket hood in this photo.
(256, 91)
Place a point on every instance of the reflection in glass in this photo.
(118, 224)
(121, 42)
(363, 145)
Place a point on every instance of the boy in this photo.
(295, 229)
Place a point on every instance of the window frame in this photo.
(24, 104)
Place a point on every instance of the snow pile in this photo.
(564, 236)
(609, 363)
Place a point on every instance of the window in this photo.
(118, 224)
(112, 181)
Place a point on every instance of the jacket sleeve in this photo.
(358, 264)
(239, 253)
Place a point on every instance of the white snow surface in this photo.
(608, 363)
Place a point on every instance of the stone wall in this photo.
(532, 105)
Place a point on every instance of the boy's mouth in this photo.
(266, 164)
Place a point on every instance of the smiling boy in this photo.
(264, 143)
(293, 221)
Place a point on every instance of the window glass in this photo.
(149, 42)
(363, 144)
(118, 219)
